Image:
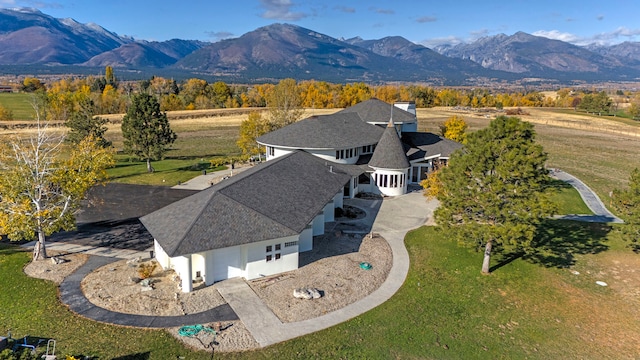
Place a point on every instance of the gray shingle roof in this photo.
(389, 153)
(336, 131)
(272, 200)
(378, 111)
(421, 145)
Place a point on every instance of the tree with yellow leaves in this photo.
(455, 129)
(40, 190)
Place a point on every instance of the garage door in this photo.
(226, 263)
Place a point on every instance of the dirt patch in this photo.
(48, 270)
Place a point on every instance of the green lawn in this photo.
(527, 308)
(167, 172)
(568, 200)
(19, 104)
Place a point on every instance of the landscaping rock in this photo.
(307, 293)
(57, 260)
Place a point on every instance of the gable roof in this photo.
(421, 145)
(275, 199)
(336, 131)
(389, 153)
(378, 111)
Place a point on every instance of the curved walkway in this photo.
(601, 213)
(71, 295)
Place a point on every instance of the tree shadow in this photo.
(138, 356)
(558, 241)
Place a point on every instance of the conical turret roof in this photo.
(389, 153)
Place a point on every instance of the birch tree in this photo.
(40, 190)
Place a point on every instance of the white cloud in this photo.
(280, 10)
(219, 35)
(448, 40)
(557, 35)
(616, 36)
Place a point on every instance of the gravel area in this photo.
(338, 278)
(48, 270)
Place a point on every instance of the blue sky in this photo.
(425, 22)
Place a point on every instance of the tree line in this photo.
(106, 95)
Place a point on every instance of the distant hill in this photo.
(538, 56)
(33, 41)
(284, 50)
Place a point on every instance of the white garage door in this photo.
(226, 263)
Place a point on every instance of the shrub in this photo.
(5, 114)
(145, 270)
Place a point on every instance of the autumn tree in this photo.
(284, 104)
(40, 190)
(5, 113)
(627, 202)
(493, 191)
(146, 129)
(250, 129)
(454, 128)
(31, 84)
(83, 123)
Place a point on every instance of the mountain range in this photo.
(31, 38)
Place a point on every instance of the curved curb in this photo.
(590, 198)
(71, 295)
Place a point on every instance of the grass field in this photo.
(19, 104)
(545, 306)
(528, 308)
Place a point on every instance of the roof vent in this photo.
(331, 169)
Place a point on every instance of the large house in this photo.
(256, 223)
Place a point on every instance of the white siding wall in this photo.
(318, 225)
(400, 188)
(161, 256)
(277, 152)
(198, 264)
(182, 266)
(338, 200)
(329, 212)
(305, 241)
(258, 266)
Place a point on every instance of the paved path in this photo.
(71, 295)
(92, 250)
(601, 213)
(393, 219)
(204, 181)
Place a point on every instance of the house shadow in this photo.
(343, 236)
(557, 242)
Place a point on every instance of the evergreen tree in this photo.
(493, 191)
(83, 123)
(146, 129)
(627, 202)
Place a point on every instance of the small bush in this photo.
(146, 270)
(5, 114)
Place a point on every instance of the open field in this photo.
(19, 104)
(601, 151)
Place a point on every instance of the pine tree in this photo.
(146, 129)
(493, 191)
(83, 123)
(627, 202)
